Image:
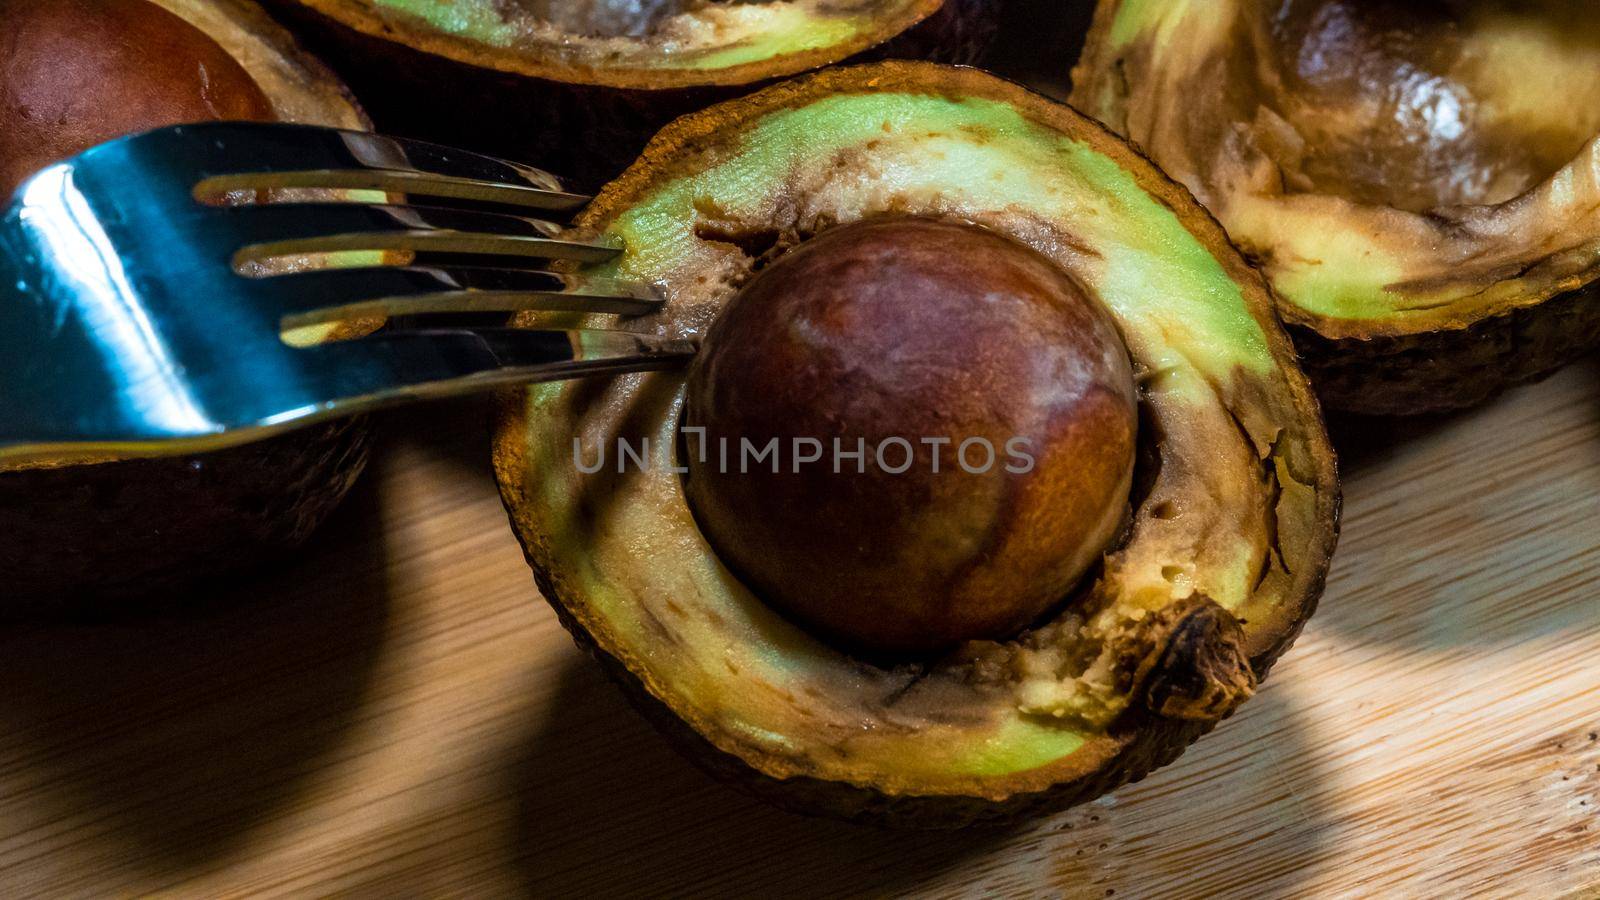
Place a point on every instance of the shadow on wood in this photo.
(158, 744)
(1245, 810)
(458, 431)
(609, 809)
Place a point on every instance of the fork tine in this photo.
(327, 295)
(232, 155)
(556, 354)
(302, 229)
(389, 366)
(393, 181)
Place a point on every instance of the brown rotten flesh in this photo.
(580, 85)
(1416, 180)
(1231, 516)
(80, 537)
(989, 405)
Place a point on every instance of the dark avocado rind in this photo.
(1398, 306)
(1244, 476)
(1156, 743)
(583, 131)
(107, 537)
(88, 540)
(1439, 371)
(1152, 741)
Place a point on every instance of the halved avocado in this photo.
(580, 85)
(90, 537)
(1417, 181)
(1233, 521)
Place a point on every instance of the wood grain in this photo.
(398, 714)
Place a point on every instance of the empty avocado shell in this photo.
(580, 86)
(1417, 181)
(90, 537)
(1233, 523)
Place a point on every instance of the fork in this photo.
(135, 330)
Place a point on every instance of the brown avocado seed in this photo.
(954, 423)
(76, 73)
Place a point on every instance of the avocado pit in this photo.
(952, 422)
(82, 72)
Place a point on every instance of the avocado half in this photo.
(89, 538)
(580, 85)
(1233, 522)
(1417, 181)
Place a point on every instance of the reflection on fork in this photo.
(152, 306)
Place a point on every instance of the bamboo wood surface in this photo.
(396, 714)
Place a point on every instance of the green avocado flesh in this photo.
(1497, 103)
(1242, 481)
(695, 36)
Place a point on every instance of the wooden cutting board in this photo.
(397, 714)
(400, 715)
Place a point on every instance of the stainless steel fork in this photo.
(127, 327)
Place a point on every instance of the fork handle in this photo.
(401, 366)
(62, 385)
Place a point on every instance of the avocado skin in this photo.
(586, 134)
(1440, 371)
(95, 540)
